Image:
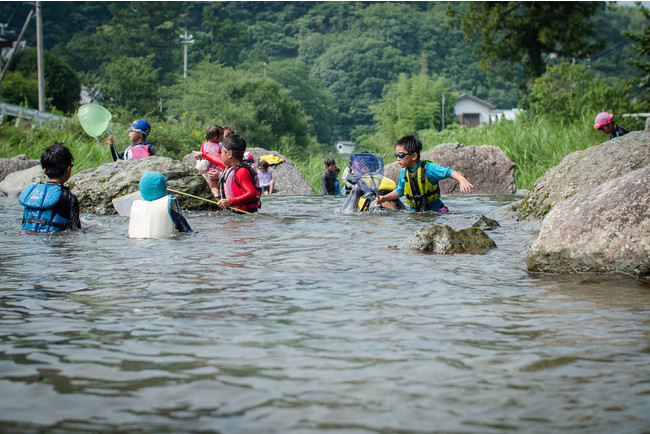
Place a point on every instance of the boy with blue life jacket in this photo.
(51, 207)
(239, 184)
(157, 214)
(418, 179)
(139, 147)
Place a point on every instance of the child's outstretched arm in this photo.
(465, 186)
(393, 195)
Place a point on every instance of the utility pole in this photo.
(443, 111)
(39, 59)
(187, 39)
(16, 45)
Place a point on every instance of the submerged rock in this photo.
(486, 167)
(606, 229)
(96, 188)
(16, 164)
(486, 224)
(287, 177)
(581, 171)
(442, 239)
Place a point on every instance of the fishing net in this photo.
(368, 171)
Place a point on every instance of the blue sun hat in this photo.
(141, 126)
(153, 185)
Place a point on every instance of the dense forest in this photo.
(307, 74)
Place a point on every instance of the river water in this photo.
(303, 319)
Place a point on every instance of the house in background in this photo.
(472, 111)
(345, 147)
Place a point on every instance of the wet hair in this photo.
(411, 143)
(56, 159)
(329, 162)
(236, 144)
(228, 129)
(264, 164)
(214, 134)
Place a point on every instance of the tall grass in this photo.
(534, 145)
(32, 141)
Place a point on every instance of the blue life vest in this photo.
(39, 201)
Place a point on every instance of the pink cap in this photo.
(249, 156)
(603, 118)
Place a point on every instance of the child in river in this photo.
(329, 178)
(265, 175)
(239, 185)
(139, 147)
(418, 179)
(157, 214)
(51, 207)
(211, 171)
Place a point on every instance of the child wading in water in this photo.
(157, 214)
(418, 179)
(51, 207)
(239, 184)
(210, 171)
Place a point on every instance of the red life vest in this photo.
(229, 187)
(136, 152)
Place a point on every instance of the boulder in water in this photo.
(487, 167)
(96, 188)
(287, 177)
(442, 239)
(583, 170)
(15, 182)
(605, 229)
(486, 224)
(16, 164)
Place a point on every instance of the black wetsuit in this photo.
(181, 224)
(618, 132)
(328, 183)
(68, 207)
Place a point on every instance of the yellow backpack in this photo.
(273, 160)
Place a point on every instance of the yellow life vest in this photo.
(152, 219)
(273, 160)
(419, 192)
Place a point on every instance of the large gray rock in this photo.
(96, 188)
(486, 167)
(581, 171)
(16, 164)
(16, 182)
(605, 229)
(442, 239)
(287, 177)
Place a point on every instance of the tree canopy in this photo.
(329, 65)
(514, 37)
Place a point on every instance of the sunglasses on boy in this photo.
(402, 155)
